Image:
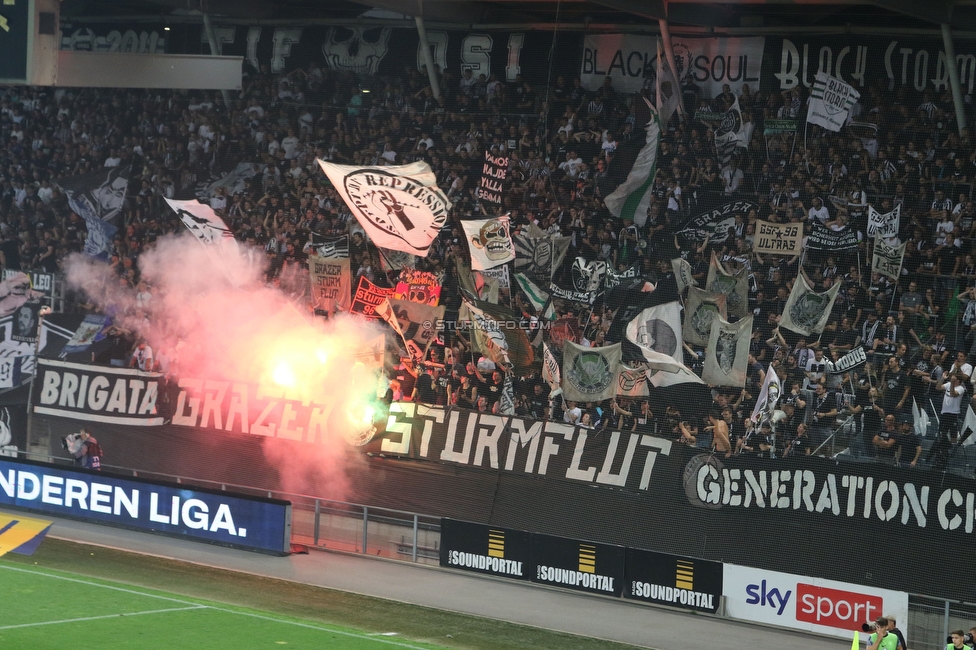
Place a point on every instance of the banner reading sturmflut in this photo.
(778, 238)
(399, 207)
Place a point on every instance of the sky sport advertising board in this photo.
(822, 606)
(673, 580)
(485, 549)
(203, 515)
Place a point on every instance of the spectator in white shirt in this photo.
(819, 211)
(572, 164)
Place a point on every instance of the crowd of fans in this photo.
(901, 149)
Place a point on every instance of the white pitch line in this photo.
(95, 584)
(96, 618)
(195, 606)
(323, 629)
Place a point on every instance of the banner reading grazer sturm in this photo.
(830, 102)
(778, 238)
(673, 580)
(825, 239)
(887, 259)
(485, 549)
(806, 311)
(489, 242)
(727, 354)
(97, 393)
(399, 207)
(700, 308)
(98, 198)
(494, 171)
(884, 226)
(734, 286)
(590, 374)
(632, 197)
(331, 281)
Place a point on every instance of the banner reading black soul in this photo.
(583, 566)
(485, 549)
(673, 580)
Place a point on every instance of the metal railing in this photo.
(931, 619)
(327, 523)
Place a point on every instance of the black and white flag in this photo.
(884, 226)
(489, 241)
(830, 102)
(730, 134)
(806, 311)
(539, 257)
(734, 286)
(827, 239)
(399, 207)
(727, 354)
(657, 332)
(590, 374)
(700, 308)
(853, 359)
(98, 198)
(887, 260)
(772, 388)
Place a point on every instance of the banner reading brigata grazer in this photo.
(203, 515)
(673, 580)
(485, 549)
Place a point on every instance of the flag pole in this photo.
(669, 52)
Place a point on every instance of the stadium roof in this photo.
(754, 15)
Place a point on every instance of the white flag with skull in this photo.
(489, 241)
(727, 354)
(399, 207)
(806, 311)
(701, 307)
(735, 287)
(590, 374)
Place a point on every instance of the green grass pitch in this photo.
(46, 609)
(78, 596)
